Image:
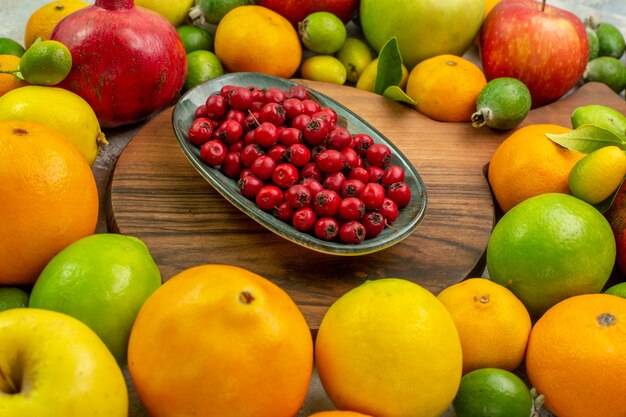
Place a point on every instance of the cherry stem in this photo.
(543, 5)
(9, 71)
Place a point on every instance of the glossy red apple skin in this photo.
(616, 217)
(546, 50)
(296, 10)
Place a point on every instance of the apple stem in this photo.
(543, 5)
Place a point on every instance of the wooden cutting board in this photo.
(156, 195)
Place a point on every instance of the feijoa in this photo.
(611, 40)
(607, 70)
(594, 43)
(502, 104)
(322, 32)
(602, 116)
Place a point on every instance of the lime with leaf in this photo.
(45, 63)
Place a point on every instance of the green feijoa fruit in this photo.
(355, 54)
(195, 38)
(324, 68)
(607, 70)
(602, 116)
(611, 40)
(212, 11)
(322, 33)
(594, 43)
(10, 47)
(491, 392)
(502, 104)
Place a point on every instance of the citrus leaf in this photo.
(587, 138)
(605, 205)
(389, 66)
(394, 92)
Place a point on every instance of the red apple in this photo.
(543, 46)
(296, 10)
(616, 216)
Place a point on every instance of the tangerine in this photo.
(256, 39)
(446, 87)
(338, 413)
(9, 82)
(246, 346)
(577, 356)
(527, 164)
(41, 23)
(492, 322)
(48, 199)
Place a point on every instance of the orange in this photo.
(492, 322)
(389, 348)
(527, 164)
(490, 4)
(48, 198)
(9, 82)
(445, 87)
(257, 39)
(218, 340)
(337, 413)
(42, 22)
(577, 356)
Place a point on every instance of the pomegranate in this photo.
(128, 62)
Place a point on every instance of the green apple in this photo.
(424, 28)
(53, 365)
(102, 280)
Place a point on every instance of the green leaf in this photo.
(389, 70)
(605, 205)
(394, 92)
(587, 138)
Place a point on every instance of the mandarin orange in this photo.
(48, 198)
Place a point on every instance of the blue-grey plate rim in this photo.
(405, 224)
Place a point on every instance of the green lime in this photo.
(195, 38)
(598, 174)
(322, 32)
(602, 116)
(13, 297)
(212, 11)
(617, 289)
(202, 66)
(324, 68)
(594, 43)
(10, 47)
(102, 280)
(502, 104)
(46, 63)
(551, 247)
(607, 70)
(354, 54)
(491, 392)
(610, 40)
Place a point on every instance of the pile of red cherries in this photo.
(293, 159)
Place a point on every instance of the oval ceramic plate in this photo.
(407, 221)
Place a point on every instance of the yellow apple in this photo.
(53, 364)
